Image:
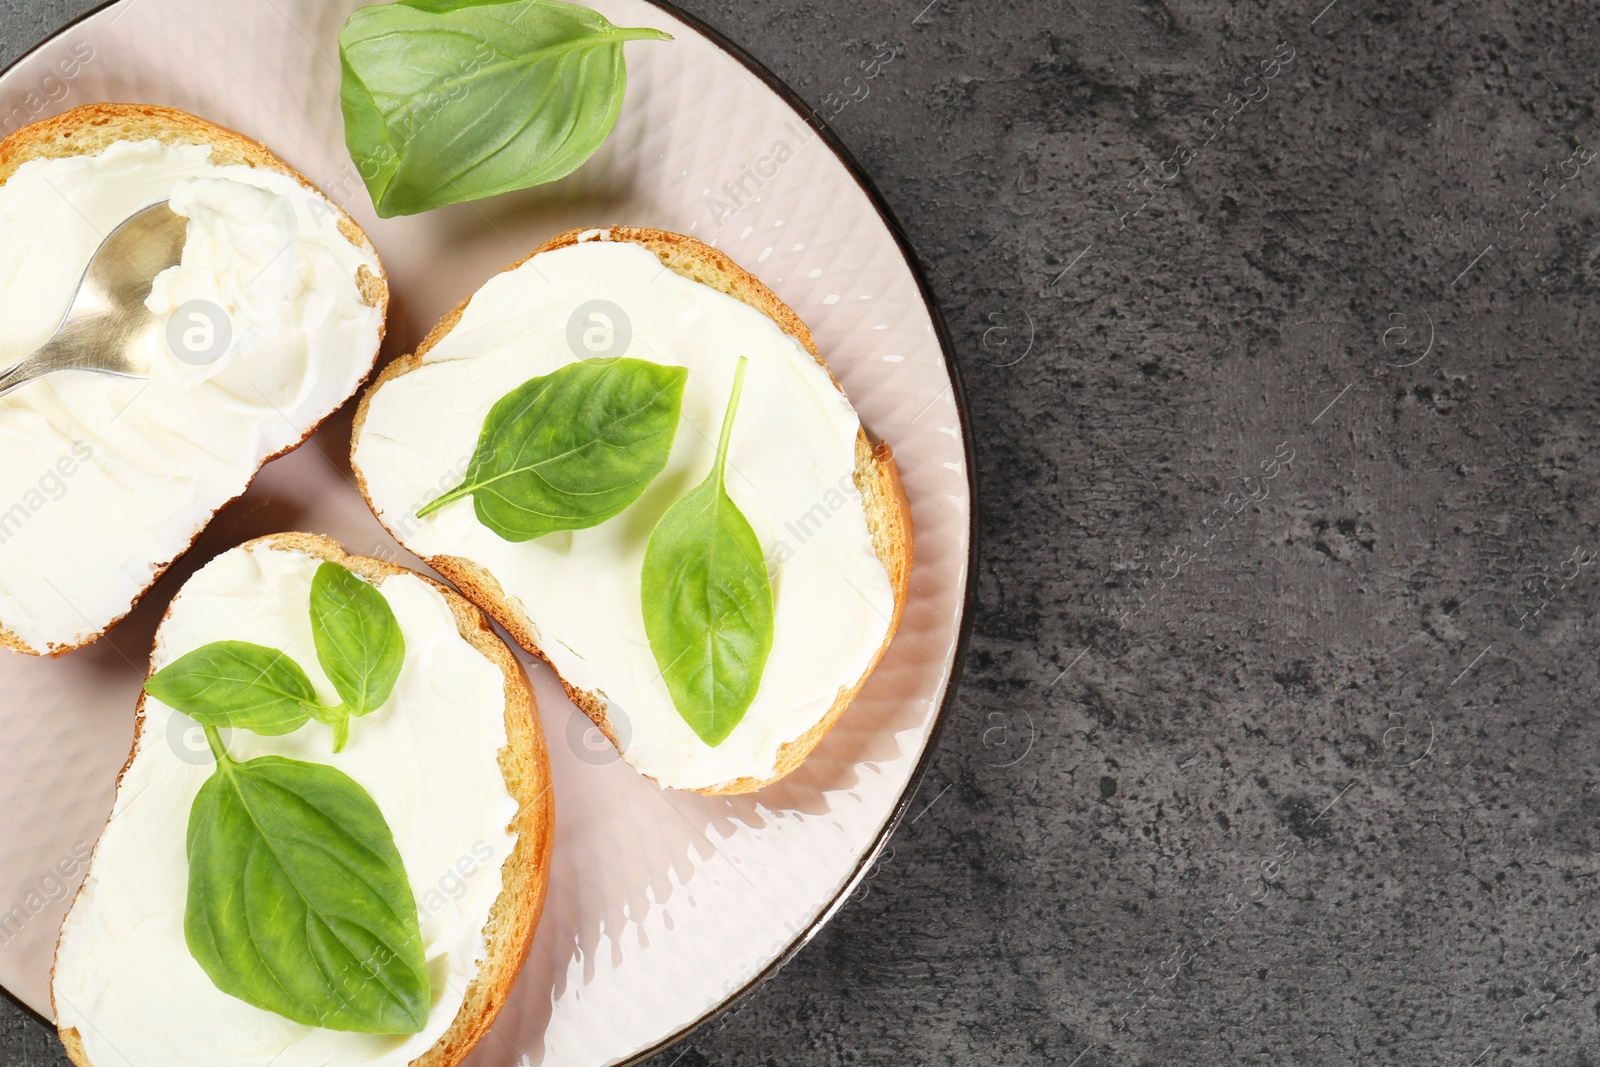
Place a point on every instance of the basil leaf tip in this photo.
(707, 599)
(571, 449)
(447, 101)
(298, 902)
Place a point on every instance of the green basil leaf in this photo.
(708, 600)
(572, 449)
(298, 901)
(452, 100)
(359, 644)
(237, 684)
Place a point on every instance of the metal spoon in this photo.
(107, 328)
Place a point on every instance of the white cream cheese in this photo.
(124, 976)
(238, 254)
(81, 538)
(790, 464)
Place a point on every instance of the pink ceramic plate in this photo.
(664, 906)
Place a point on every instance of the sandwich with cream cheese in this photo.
(394, 938)
(559, 444)
(273, 320)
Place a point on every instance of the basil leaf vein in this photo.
(237, 684)
(707, 599)
(298, 902)
(453, 100)
(359, 645)
(571, 449)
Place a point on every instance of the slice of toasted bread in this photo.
(91, 128)
(525, 764)
(888, 512)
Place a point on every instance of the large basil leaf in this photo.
(359, 644)
(237, 684)
(572, 449)
(453, 100)
(708, 600)
(298, 901)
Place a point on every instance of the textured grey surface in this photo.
(1245, 769)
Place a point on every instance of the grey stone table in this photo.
(1276, 741)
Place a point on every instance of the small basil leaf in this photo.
(572, 449)
(708, 600)
(358, 639)
(237, 684)
(298, 901)
(452, 100)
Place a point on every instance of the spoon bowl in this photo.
(107, 328)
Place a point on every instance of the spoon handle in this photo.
(65, 351)
(29, 369)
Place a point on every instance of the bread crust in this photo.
(876, 477)
(525, 765)
(88, 129)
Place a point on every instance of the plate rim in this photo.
(913, 260)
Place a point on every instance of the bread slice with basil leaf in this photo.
(628, 451)
(272, 321)
(337, 852)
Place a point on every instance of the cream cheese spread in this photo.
(124, 976)
(106, 480)
(790, 471)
